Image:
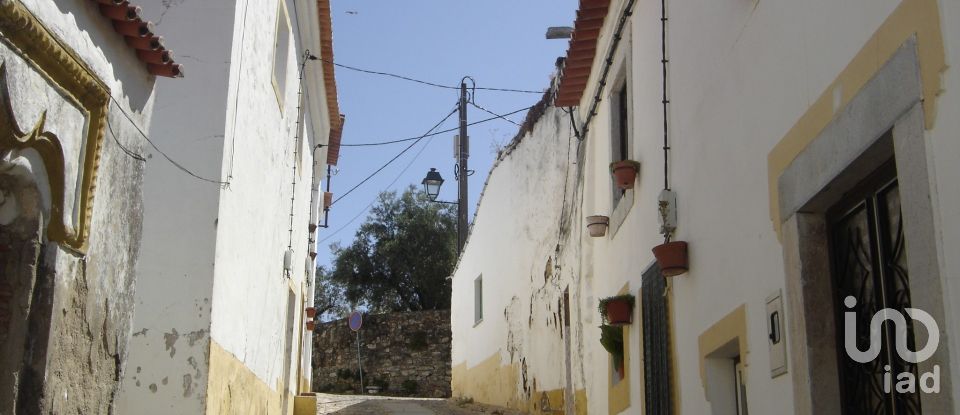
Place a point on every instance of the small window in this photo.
(620, 129)
(281, 52)
(478, 300)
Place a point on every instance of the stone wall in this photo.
(409, 353)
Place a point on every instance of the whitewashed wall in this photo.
(170, 343)
(250, 291)
(741, 76)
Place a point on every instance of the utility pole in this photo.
(464, 147)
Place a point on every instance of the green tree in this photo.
(328, 296)
(401, 256)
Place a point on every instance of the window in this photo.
(281, 52)
(478, 300)
(620, 130)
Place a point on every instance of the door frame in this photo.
(885, 119)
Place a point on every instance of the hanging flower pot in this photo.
(672, 258)
(313, 255)
(625, 173)
(311, 325)
(312, 227)
(327, 200)
(311, 312)
(597, 225)
(618, 310)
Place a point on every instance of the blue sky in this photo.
(499, 43)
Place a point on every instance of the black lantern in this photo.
(432, 183)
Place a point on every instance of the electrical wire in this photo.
(394, 157)
(381, 143)
(602, 82)
(152, 144)
(395, 179)
(494, 114)
(126, 150)
(428, 83)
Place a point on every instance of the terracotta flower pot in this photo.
(597, 225)
(672, 258)
(625, 173)
(619, 312)
(311, 312)
(311, 325)
(312, 227)
(327, 199)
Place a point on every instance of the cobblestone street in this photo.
(383, 405)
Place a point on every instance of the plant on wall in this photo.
(611, 338)
(617, 310)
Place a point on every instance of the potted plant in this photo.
(617, 310)
(625, 173)
(311, 325)
(311, 312)
(672, 258)
(597, 225)
(611, 338)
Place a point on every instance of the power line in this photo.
(394, 157)
(395, 179)
(171, 160)
(381, 143)
(494, 114)
(123, 148)
(419, 81)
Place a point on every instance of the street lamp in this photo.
(432, 183)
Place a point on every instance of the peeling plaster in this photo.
(171, 339)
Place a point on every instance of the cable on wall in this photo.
(152, 144)
(608, 63)
(666, 102)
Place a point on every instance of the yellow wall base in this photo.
(494, 384)
(234, 389)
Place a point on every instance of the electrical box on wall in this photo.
(667, 211)
(775, 334)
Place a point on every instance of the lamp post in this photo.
(433, 181)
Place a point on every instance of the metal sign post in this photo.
(356, 321)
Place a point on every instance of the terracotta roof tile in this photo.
(583, 48)
(140, 36)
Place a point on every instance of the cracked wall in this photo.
(515, 356)
(65, 313)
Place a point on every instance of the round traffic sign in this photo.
(356, 320)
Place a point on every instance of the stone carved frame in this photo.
(28, 37)
(885, 119)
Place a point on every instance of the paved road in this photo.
(379, 405)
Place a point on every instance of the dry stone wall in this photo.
(403, 353)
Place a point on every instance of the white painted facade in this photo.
(212, 289)
(741, 77)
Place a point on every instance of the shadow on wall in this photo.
(136, 84)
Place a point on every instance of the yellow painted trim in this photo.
(674, 364)
(911, 17)
(233, 388)
(731, 327)
(305, 405)
(618, 396)
(54, 61)
(283, 22)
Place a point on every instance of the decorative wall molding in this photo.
(54, 61)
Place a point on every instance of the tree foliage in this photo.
(401, 256)
(328, 296)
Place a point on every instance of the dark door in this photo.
(869, 263)
(656, 343)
